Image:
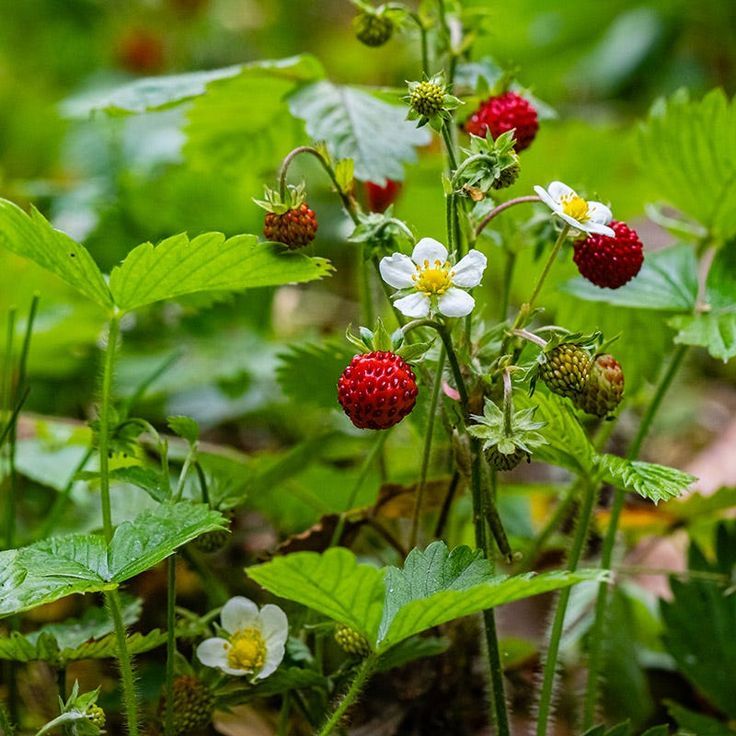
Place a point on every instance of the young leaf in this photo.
(714, 331)
(32, 237)
(333, 583)
(354, 124)
(179, 266)
(150, 480)
(655, 482)
(184, 427)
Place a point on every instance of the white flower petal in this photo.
(213, 652)
(413, 305)
(274, 625)
(273, 659)
(429, 249)
(557, 190)
(468, 271)
(594, 227)
(397, 270)
(235, 672)
(238, 613)
(599, 213)
(573, 222)
(456, 303)
(544, 196)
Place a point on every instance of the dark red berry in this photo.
(610, 262)
(377, 390)
(141, 51)
(503, 113)
(294, 228)
(381, 197)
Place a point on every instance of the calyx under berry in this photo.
(489, 164)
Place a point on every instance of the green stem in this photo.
(282, 728)
(368, 316)
(449, 146)
(576, 552)
(125, 663)
(595, 656)
(427, 453)
(361, 677)
(387, 291)
(8, 392)
(447, 505)
(502, 208)
(362, 475)
(216, 592)
(104, 424)
(170, 643)
(508, 277)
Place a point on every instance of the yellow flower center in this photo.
(433, 279)
(575, 207)
(247, 650)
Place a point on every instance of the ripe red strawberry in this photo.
(141, 51)
(294, 228)
(381, 197)
(610, 262)
(502, 113)
(377, 390)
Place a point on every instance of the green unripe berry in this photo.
(373, 29)
(352, 642)
(566, 370)
(96, 716)
(503, 461)
(427, 99)
(507, 177)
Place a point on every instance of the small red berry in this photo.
(502, 113)
(377, 390)
(294, 228)
(381, 197)
(610, 262)
(141, 51)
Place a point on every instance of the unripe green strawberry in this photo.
(96, 716)
(193, 706)
(502, 461)
(507, 177)
(212, 542)
(373, 29)
(352, 642)
(566, 370)
(427, 99)
(604, 388)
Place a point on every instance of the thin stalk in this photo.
(368, 315)
(170, 643)
(124, 660)
(595, 655)
(361, 677)
(9, 528)
(502, 208)
(446, 505)
(282, 729)
(387, 291)
(427, 453)
(362, 475)
(424, 40)
(449, 146)
(576, 552)
(217, 594)
(508, 277)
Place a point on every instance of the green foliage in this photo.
(655, 482)
(696, 724)
(210, 262)
(700, 650)
(184, 427)
(624, 729)
(60, 566)
(284, 680)
(409, 650)
(357, 125)
(688, 149)
(390, 605)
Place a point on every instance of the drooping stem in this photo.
(576, 551)
(427, 453)
(502, 208)
(359, 681)
(595, 655)
(170, 643)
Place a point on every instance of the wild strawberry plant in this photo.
(442, 362)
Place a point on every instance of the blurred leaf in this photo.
(696, 724)
(31, 236)
(308, 372)
(60, 566)
(688, 149)
(655, 482)
(714, 331)
(185, 427)
(699, 649)
(179, 266)
(150, 480)
(284, 680)
(409, 650)
(354, 124)
(667, 281)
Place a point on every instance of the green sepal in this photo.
(274, 202)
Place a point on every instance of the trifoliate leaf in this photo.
(655, 482)
(184, 427)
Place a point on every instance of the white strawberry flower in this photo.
(256, 641)
(429, 282)
(583, 216)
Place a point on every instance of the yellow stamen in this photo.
(247, 650)
(575, 207)
(433, 279)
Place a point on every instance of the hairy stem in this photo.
(595, 655)
(576, 552)
(170, 643)
(361, 678)
(502, 208)
(124, 661)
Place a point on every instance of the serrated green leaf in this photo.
(354, 124)
(688, 150)
(184, 427)
(308, 372)
(32, 237)
(714, 331)
(148, 479)
(178, 266)
(667, 282)
(53, 568)
(655, 482)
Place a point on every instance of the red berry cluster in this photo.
(610, 262)
(377, 390)
(294, 228)
(503, 113)
(381, 197)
